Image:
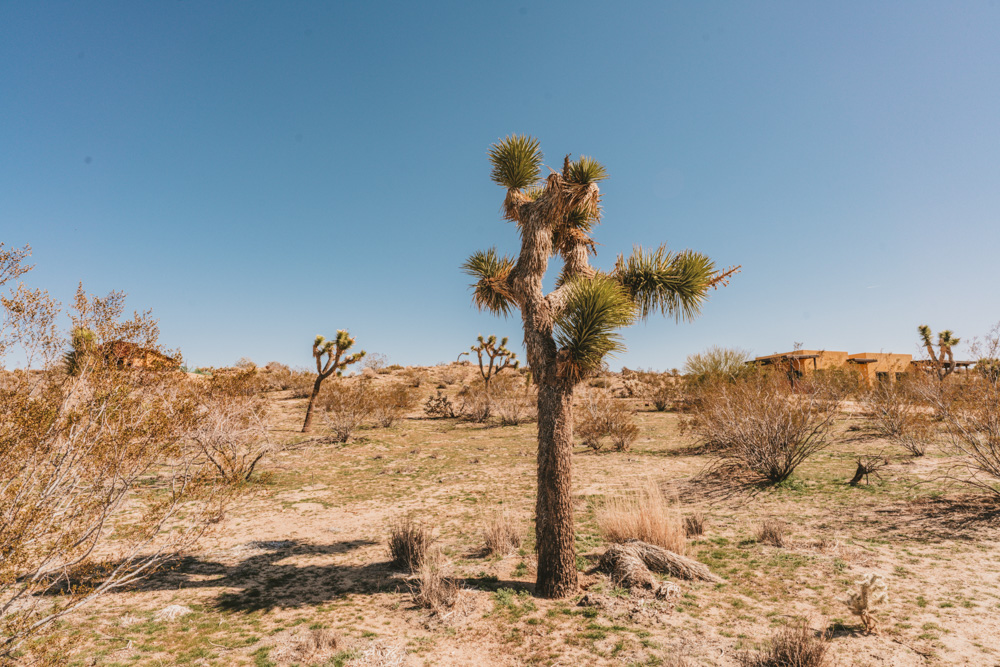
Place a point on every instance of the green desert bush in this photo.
(718, 363)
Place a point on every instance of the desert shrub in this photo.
(771, 531)
(413, 377)
(872, 593)
(718, 364)
(600, 383)
(376, 362)
(440, 406)
(408, 544)
(245, 364)
(896, 413)
(500, 534)
(475, 404)
(346, 405)
(604, 417)
(643, 514)
(694, 524)
(510, 401)
(85, 460)
(390, 401)
(757, 424)
(299, 383)
(634, 384)
(231, 431)
(971, 416)
(431, 588)
(792, 646)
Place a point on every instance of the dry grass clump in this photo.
(771, 531)
(501, 535)
(408, 544)
(694, 524)
(792, 646)
(431, 588)
(643, 515)
(758, 424)
(604, 417)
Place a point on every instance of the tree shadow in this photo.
(937, 519)
(264, 582)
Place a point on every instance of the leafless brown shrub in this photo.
(390, 401)
(432, 588)
(413, 377)
(604, 417)
(85, 455)
(501, 535)
(771, 531)
(346, 405)
(792, 646)
(475, 404)
(895, 411)
(971, 416)
(408, 544)
(511, 403)
(231, 431)
(694, 524)
(758, 424)
(643, 514)
(299, 383)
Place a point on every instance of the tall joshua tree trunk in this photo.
(568, 332)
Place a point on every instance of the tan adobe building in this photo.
(870, 366)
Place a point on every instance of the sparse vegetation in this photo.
(501, 536)
(792, 646)
(606, 418)
(771, 531)
(758, 425)
(643, 514)
(409, 543)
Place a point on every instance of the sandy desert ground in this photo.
(298, 573)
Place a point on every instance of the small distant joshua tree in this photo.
(333, 350)
(946, 340)
(499, 358)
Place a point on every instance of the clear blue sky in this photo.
(258, 173)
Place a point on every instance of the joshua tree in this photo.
(333, 350)
(945, 342)
(569, 331)
(499, 358)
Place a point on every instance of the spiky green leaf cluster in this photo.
(586, 330)
(585, 171)
(925, 334)
(516, 160)
(673, 283)
(490, 271)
